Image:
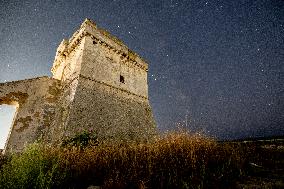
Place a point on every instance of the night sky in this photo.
(215, 67)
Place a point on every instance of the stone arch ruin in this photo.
(32, 98)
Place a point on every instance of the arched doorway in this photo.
(7, 115)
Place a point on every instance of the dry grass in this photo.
(176, 160)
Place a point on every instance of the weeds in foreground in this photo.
(34, 168)
(177, 160)
(3, 160)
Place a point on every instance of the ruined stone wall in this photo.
(36, 100)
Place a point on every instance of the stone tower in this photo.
(104, 85)
(98, 83)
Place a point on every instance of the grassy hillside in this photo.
(176, 160)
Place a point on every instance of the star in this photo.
(172, 5)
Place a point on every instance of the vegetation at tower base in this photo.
(176, 160)
(82, 140)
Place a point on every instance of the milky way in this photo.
(215, 67)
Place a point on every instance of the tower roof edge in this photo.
(89, 22)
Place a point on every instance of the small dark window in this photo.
(121, 78)
(94, 42)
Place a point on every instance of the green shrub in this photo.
(36, 167)
(3, 160)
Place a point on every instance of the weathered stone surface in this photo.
(30, 96)
(97, 83)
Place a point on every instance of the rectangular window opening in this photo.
(121, 79)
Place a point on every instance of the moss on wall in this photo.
(23, 122)
(12, 97)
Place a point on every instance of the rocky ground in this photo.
(266, 165)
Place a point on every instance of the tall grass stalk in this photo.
(176, 160)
